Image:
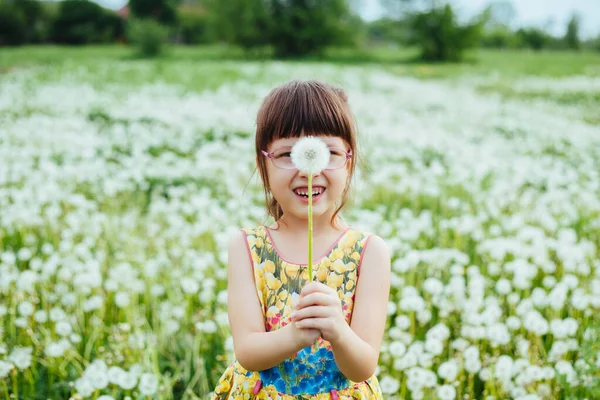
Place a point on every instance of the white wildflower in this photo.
(84, 387)
(128, 380)
(122, 299)
(189, 285)
(389, 385)
(40, 316)
(57, 349)
(485, 374)
(114, 374)
(63, 328)
(21, 357)
(397, 349)
(25, 308)
(148, 384)
(448, 370)
(5, 368)
(446, 392)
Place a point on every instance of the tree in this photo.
(83, 21)
(571, 38)
(23, 21)
(435, 28)
(163, 11)
(294, 28)
(441, 37)
(534, 38)
(304, 27)
(240, 22)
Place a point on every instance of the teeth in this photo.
(316, 192)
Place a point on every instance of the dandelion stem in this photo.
(471, 385)
(310, 229)
(15, 386)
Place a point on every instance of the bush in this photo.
(192, 27)
(23, 21)
(163, 11)
(440, 36)
(499, 38)
(13, 28)
(301, 29)
(534, 38)
(148, 35)
(293, 28)
(240, 22)
(387, 30)
(82, 22)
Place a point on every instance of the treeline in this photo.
(72, 22)
(490, 34)
(282, 28)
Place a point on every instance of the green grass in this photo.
(402, 61)
(509, 63)
(196, 69)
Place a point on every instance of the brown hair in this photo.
(303, 108)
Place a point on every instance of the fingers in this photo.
(310, 312)
(320, 324)
(313, 287)
(315, 299)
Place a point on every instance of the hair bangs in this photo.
(303, 109)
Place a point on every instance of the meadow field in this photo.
(122, 180)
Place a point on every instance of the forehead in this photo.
(330, 141)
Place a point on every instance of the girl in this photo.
(293, 338)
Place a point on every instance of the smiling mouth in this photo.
(303, 192)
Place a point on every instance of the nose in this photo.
(303, 174)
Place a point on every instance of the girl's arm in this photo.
(355, 346)
(255, 349)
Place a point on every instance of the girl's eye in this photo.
(283, 154)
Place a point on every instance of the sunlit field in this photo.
(123, 179)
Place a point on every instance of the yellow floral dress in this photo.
(312, 372)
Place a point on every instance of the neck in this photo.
(321, 224)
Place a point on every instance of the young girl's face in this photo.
(288, 184)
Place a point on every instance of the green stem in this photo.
(315, 346)
(310, 229)
(15, 386)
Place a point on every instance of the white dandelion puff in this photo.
(148, 384)
(310, 155)
(389, 385)
(21, 357)
(446, 392)
(5, 368)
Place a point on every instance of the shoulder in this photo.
(366, 239)
(376, 253)
(244, 232)
(247, 241)
(257, 231)
(374, 242)
(238, 239)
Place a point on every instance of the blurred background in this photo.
(441, 31)
(127, 163)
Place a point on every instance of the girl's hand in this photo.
(303, 337)
(319, 307)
